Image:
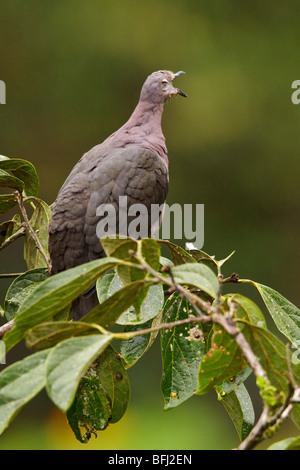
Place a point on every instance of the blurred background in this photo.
(73, 72)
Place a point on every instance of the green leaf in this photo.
(67, 363)
(19, 383)
(7, 201)
(272, 354)
(239, 407)
(230, 385)
(119, 246)
(182, 349)
(20, 289)
(39, 222)
(133, 349)
(91, 409)
(102, 396)
(223, 361)
(197, 275)
(10, 230)
(64, 315)
(202, 257)
(110, 284)
(54, 294)
(178, 254)
(49, 334)
(166, 261)
(114, 380)
(285, 314)
(291, 443)
(122, 248)
(247, 310)
(149, 309)
(24, 171)
(61, 289)
(9, 181)
(295, 415)
(223, 261)
(111, 308)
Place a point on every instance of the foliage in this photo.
(210, 340)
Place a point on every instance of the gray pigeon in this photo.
(131, 162)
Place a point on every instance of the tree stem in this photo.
(5, 328)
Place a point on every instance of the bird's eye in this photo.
(164, 82)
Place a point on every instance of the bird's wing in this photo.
(135, 172)
(67, 246)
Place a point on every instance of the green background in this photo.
(73, 71)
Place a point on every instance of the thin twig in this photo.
(5, 328)
(19, 233)
(161, 326)
(256, 432)
(233, 278)
(208, 313)
(213, 313)
(267, 420)
(270, 418)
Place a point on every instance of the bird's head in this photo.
(158, 88)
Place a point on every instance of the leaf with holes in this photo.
(66, 364)
(183, 348)
(222, 361)
(102, 396)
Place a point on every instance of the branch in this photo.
(5, 328)
(19, 233)
(161, 326)
(212, 313)
(268, 420)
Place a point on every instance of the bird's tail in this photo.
(86, 302)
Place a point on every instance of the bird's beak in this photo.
(177, 91)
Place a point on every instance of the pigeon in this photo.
(133, 163)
